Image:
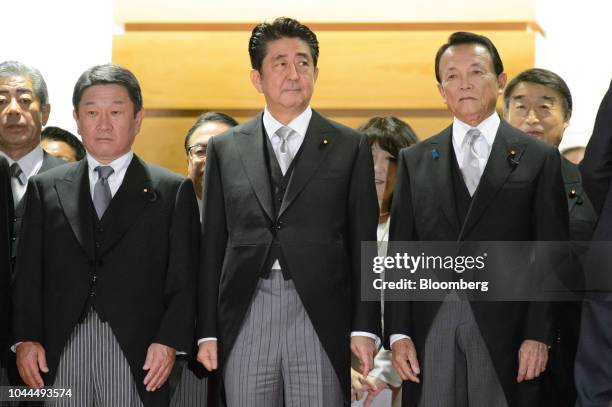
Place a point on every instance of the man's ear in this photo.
(139, 116)
(256, 80)
(45, 111)
(316, 73)
(75, 116)
(502, 78)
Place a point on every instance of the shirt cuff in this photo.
(206, 339)
(14, 347)
(396, 337)
(367, 335)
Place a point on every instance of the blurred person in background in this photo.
(62, 144)
(387, 136)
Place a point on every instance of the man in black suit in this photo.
(288, 198)
(6, 213)
(480, 179)
(539, 102)
(104, 289)
(24, 109)
(594, 357)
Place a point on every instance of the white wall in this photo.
(577, 47)
(61, 38)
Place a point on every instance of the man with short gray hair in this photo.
(24, 109)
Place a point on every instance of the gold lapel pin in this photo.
(572, 193)
(145, 190)
(325, 141)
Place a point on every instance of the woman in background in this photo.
(386, 136)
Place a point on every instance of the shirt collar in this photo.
(488, 128)
(299, 124)
(118, 164)
(29, 163)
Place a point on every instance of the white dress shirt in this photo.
(30, 165)
(488, 128)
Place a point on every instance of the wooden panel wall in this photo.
(365, 70)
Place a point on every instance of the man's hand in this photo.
(404, 359)
(375, 387)
(533, 356)
(357, 382)
(207, 354)
(31, 360)
(159, 362)
(365, 350)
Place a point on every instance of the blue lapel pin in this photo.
(434, 154)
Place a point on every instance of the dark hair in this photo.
(546, 78)
(108, 74)
(282, 27)
(462, 37)
(389, 132)
(218, 117)
(10, 69)
(58, 134)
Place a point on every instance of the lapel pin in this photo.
(325, 141)
(512, 158)
(572, 193)
(434, 154)
(151, 195)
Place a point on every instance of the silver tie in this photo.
(283, 153)
(102, 193)
(18, 179)
(471, 164)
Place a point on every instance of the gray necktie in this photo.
(102, 193)
(18, 179)
(471, 154)
(283, 154)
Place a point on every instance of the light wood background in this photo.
(365, 68)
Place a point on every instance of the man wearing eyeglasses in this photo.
(206, 126)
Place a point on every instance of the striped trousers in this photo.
(458, 371)
(94, 367)
(190, 390)
(277, 359)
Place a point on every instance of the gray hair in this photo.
(10, 69)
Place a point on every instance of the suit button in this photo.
(100, 229)
(94, 279)
(98, 245)
(92, 293)
(14, 220)
(14, 238)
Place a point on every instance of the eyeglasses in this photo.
(197, 152)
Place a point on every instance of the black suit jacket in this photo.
(48, 162)
(143, 254)
(6, 213)
(594, 359)
(524, 202)
(329, 208)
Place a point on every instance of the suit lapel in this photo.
(249, 142)
(440, 169)
(75, 198)
(135, 192)
(573, 184)
(313, 150)
(496, 173)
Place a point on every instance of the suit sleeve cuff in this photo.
(396, 337)
(368, 335)
(206, 339)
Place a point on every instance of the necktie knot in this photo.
(17, 173)
(283, 134)
(104, 171)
